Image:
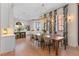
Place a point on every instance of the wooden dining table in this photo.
(56, 40)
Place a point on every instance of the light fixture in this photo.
(5, 31)
(69, 18)
(38, 34)
(43, 9)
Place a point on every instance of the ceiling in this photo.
(29, 11)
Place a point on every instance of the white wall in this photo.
(73, 25)
(11, 15)
(6, 15)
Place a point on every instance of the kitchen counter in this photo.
(7, 35)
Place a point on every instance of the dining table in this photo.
(56, 39)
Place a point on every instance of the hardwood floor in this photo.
(24, 47)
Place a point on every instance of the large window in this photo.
(37, 25)
(60, 23)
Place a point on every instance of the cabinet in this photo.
(7, 43)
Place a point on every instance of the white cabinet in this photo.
(7, 43)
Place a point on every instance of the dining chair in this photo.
(60, 42)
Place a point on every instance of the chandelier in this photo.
(43, 11)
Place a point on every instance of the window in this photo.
(37, 25)
(60, 23)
